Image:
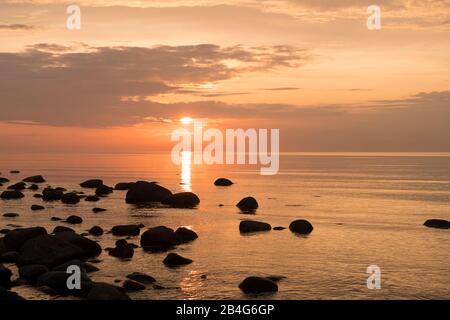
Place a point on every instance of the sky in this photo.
(310, 68)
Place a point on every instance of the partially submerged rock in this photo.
(247, 226)
(92, 183)
(11, 194)
(34, 179)
(301, 226)
(126, 230)
(247, 204)
(182, 200)
(96, 231)
(70, 198)
(103, 190)
(123, 185)
(223, 182)
(73, 219)
(142, 192)
(437, 223)
(141, 278)
(159, 239)
(258, 285)
(186, 235)
(175, 260)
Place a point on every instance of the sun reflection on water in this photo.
(186, 157)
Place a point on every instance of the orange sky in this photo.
(310, 68)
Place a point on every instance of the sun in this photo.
(186, 120)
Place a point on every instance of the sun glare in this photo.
(186, 120)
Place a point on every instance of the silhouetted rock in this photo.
(36, 207)
(159, 239)
(223, 182)
(175, 260)
(130, 285)
(74, 219)
(279, 228)
(123, 250)
(17, 186)
(14, 171)
(301, 226)
(10, 215)
(97, 210)
(14, 239)
(70, 198)
(37, 195)
(248, 204)
(107, 292)
(276, 278)
(55, 219)
(253, 226)
(92, 199)
(4, 180)
(57, 281)
(6, 295)
(84, 266)
(33, 187)
(49, 194)
(90, 248)
(143, 191)
(186, 235)
(58, 229)
(32, 272)
(11, 194)
(126, 230)
(5, 277)
(103, 190)
(141, 278)
(182, 200)
(9, 257)
(92, 184)
(437, 223)
(96, 231)
(34, 179)
(258, 285)
(123, 185)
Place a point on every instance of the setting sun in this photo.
(186, 120)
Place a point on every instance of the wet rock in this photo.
(107, 292)
(182, 200)
(58, 229)
(18, 186)
(159, 239)
(3, 180)
(49, 251)
(37, 195)
(143, 191)
(70, 198)
(92, 199)
(14, 171)
(97, 210)
(74, 219)
(5, 277)
(10, 215)
(36, 207)
(33, 187)
(247, 226)
(96, 231)
(6, 295)
(14, 239)
(301, 226)
(84, 266)
(4, 231)
(55, 219)
(123, 185)
(223, 182)
(103, 190)
(11, 194)
(258, 285)
(130, 285)
(123, 250)
(91, 184)
(126, 230)
(89, 247)
(175, 260)
(279, 228)
(49, 194)
(437, 223)
(57, 281)
(248, 204)
(186, 235)
(141, 278)
(9, 257)
(32, 272)
(34, 179)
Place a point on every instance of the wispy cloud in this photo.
(16, 27)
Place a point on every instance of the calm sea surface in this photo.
(367, 209)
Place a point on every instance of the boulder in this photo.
(89, 247)
(175, 260)
(96, 231)
(186, 235)
(74, 219)
(247, 226)
(18, 186)
(301, 226)
(36, 207)
(130, 285)
(437, 223)
(103, 190)
(107, 292)
(123, 185)
(55, 219)
(141, 278)
(123, 250)
(5, 277)
(33, 187)
(57, 281)
(11, 194)
(34, 179)
(142, 192)
(248, 204)
(182, 200)
(10, 215)
(126, 230)
(37, 195)
(15, 239)
(49, 251)
(258, 285)
(58, 229)
(97, 210)
(223, 182)
(84, 266)
(32, 272)
(70, 198)
(6, 295)
(92, 199)
(49, 194)
(9, 257)
(3, 180)
(159, 239)
(91, 184)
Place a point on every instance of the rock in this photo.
(36, 207)
(49, 194)
(57, 281)
(223, 182)
(258, 285)
(301, 226)
(103, 190)
(130, 285)
(276, 278)
(97, 210)
(34, 179)
(6, 295)
(18, 186)
(96, 231)
(89, 247)
(10, 215)
(141, 278)
(4, 231)
(37, 195)
(74, 219)
(70, 198)
(186, 235)
(122, 251)
(55, 219)
(159, 239)
(15, 239)
(3, 180)
(126, 230)
(5, 277)
(182, 200)
(279, 228)
(33, 187)
(107, 292)
(175, 260)
(91, 184)
(143, 191)
(253, 226)
(32, 272)
(123, 185)
(248, 204)
(437, 223)
(92, 199)
(11, 194)
(14, 171)
(58, 229)
(9, 257)
(84, 266)
(49, 251)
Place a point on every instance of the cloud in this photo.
(16, 27)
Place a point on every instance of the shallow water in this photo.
(366, 209)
